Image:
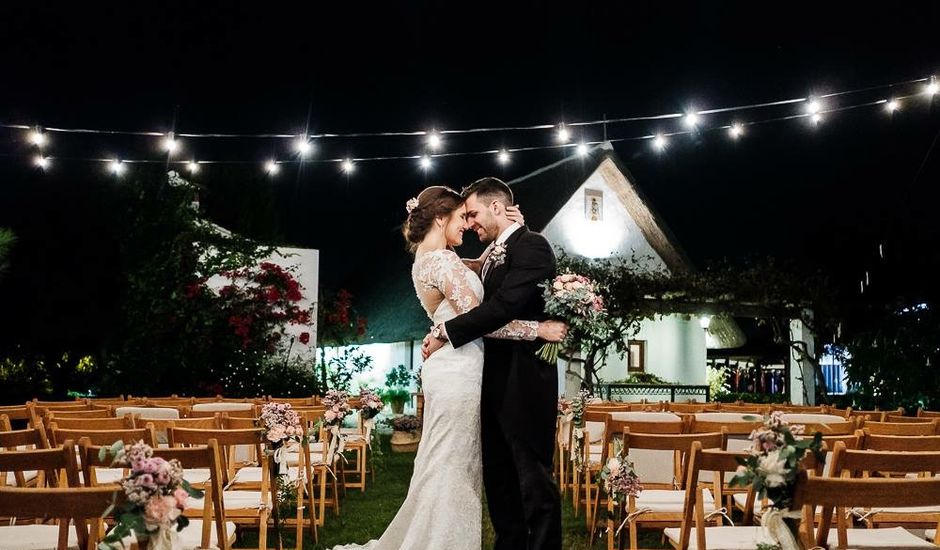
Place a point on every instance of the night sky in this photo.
(824, 197)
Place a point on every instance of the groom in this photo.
(520, 391)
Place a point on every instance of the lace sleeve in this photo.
(447, 273)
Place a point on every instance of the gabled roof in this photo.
(544, 192)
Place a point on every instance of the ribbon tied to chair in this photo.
(337, 444)
(778, 530)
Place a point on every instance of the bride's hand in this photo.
(515, 215)
(552, 331)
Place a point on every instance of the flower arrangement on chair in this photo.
(156, 496)
(337, 407)
(772, 468)
(578, 403)
(370, 405)
(619, 479)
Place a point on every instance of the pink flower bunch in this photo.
(280, 422)
(579, 292)
(337, 407)
(771, 436)
(154, 484)
(370, 404)
(621, 480)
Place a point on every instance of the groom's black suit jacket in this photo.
(520, 391)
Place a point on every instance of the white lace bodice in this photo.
(447, 288)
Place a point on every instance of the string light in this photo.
(563, 135)
(37, 138)
(582, 150)
(434, 140)
(892, 105)
(271, 167)
(933, 87)
(192, 166)
(503, 156)
(41, 162)
(816, 118)
(303, 146)
(425, 162)
(691, 120)
(348, 166)
(659, 142)
(813, 107)
(116, 167)
(736, 130)
(170, 144)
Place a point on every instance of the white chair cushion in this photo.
(149, 413)
(727, 417)
(740, 499)
(105, 476)
(724, 538)
(27, 475)
(872, 539)
(196, 476)
(639, 416)
(660, 500)
(800, 418)
(33, 537)
(316, 453)
(252, 474)
(222, 407)
(930, 534)
(910, 510)
(235, 500)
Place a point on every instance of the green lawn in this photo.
(364, 516)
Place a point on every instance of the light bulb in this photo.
(271, 167)
(434, 140)
(116, 167)
(892, 105)
(425, 162)
(41, 162)
(348, 166)
(736, 130)
(813, 106)
(582, 150)
(659, 142)
(503, 156)
(691, 120)
(192, 166)
(37, 138)
(303, 146)
(563, 134)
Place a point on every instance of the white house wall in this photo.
(616, 234)
(675, 351)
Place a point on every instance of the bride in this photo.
(443, 508)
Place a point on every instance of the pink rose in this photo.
(181, 496)
(329, 416)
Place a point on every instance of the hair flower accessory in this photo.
(411, 204)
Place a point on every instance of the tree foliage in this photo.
(7, 239)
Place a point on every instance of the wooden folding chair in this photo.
(837, 493)
(875, 442)
(913, 419)
(69, 422)
(209, 528)
(23, 440)
(921, 413)
(875, 415)
(69, 504)
(661, 503)
(243, 507)
(904, 428)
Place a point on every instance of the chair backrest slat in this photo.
(878, 442)
(903, 428)
(106, 437)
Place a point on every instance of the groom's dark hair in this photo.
(489, 189)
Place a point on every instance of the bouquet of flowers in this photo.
(574, 299)
(156, 497)
(337, 407)
(370, 405)
(618, 476)
(280, 423)
(772, 467)
(407, 423)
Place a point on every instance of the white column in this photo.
(801, 335)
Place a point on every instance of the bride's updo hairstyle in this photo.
(433, 202)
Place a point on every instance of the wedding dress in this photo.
(443, 509)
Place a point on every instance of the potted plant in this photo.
(397, 384)
(406, 434)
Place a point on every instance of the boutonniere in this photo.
(498, 255)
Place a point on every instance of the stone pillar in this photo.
(800, 333)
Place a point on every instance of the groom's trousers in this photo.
(523, 500)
